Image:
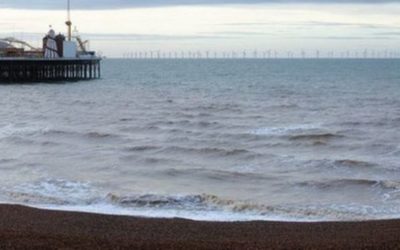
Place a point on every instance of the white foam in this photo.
(245, 169)
(286, 129)
(52, 191)
(224, 216)
(7, 130)
(219, 216)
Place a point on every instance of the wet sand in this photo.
(27, 228)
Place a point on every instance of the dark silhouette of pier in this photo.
(23, 70)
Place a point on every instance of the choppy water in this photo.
(212, 140)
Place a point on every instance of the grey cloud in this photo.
(341, 24)
(314, 23)
(150, 37)
(132, 37)
(235, 33)
(347, 37)
(388, 34)
(117, 4)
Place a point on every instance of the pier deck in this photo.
(24, 70)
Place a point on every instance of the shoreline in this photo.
(24, 227)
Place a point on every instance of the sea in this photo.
(213, 140)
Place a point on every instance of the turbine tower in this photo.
(68, 22)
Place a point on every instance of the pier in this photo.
(61, 58)
(23, 70)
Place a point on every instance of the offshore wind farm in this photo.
(264, 54)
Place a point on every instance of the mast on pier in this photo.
(68, 22)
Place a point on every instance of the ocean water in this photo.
(294, 140)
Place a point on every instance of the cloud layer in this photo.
(120, 4)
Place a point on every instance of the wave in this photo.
(143, 148)
(215, 108)
(139, 129)
(59, 132)
(354, 163)
(219, 175)
(21, 130)
(24, 131)
(99, 135)
(358, 124)
(185, 123)
(7, 160)
(61, 194)
(313, 133)
(169, 123)
(285, 130)
(51, 191)
(189, 202)
(347, 183)
(164, 201)
(320, 137)
(90, 134)
(340, 164)
(205, 124)
(126, 119)
(284, 106)
(223, 152)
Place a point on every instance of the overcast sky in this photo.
(105, 4)
(117, 27)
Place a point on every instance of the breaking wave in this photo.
(301, 133)
(76, 196)
(50, 191)
(293, 129)
(11, 130)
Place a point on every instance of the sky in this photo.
(118, 28)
